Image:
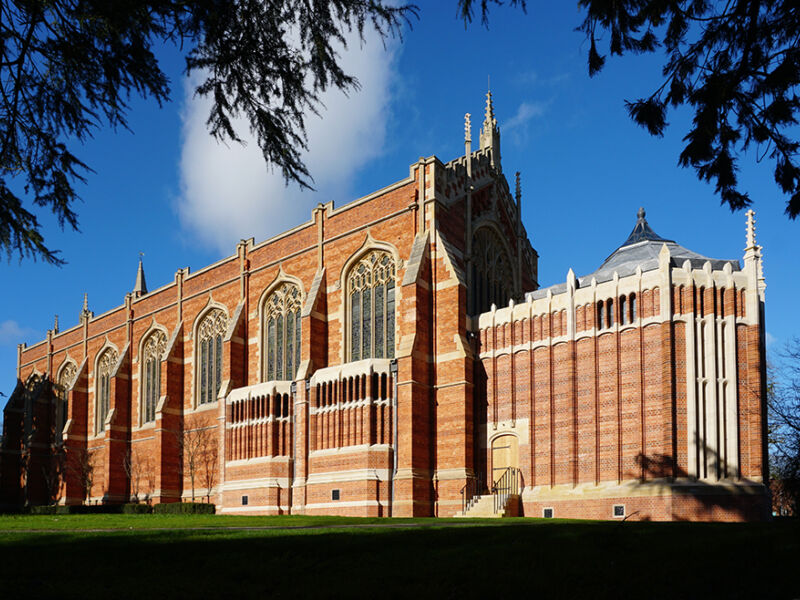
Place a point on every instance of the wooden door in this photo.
(505, 453)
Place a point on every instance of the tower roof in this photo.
(643, 232)
(639, 250)
(140, 289)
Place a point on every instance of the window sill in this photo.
(206, 406)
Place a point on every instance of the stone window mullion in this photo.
(281, 321)
(210, 334)
(370, 289)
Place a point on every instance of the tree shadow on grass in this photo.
(560, 559)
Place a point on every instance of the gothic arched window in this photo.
(492, 276)
(209, 348)
(66, 379)
(282, 333)
(152, 354)
(601, 313)
(370, 290)
(105, 365)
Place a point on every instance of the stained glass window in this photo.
(283, 339)
(66, 379)
(492, 276)
(210, 334)
(152, 355)
(370, 289)
(105, 365)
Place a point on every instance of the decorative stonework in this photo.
(282, 338)
(215, 323)
(371, 295)
(105, 366)
(66, 379)
(210, 333)
(152, 354)
(492, 276)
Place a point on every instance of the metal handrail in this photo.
(505, 487)
(470, 493)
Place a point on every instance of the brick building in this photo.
(359, 364)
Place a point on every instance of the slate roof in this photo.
(641, 249)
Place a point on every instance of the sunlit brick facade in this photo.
(359, 364)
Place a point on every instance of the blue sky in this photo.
(166, 189)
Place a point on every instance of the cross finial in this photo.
(751, 229)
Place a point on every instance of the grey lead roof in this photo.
(641, 249)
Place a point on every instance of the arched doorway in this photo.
(505, 454)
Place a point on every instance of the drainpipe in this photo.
(290, 491)
(393, 371)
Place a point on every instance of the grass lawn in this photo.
(167, 556)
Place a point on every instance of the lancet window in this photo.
(371, 289)
(209, 348)
(492, 277)
(105, 365)
(282, 333)
(152, 355)
(66, 379)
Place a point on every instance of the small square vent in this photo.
(547, 513)
(619, 510)
(245, 500)
(334, 494)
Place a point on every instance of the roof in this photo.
(641, 250)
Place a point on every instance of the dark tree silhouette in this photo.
(736, 64)
(783, 398)
(68, 67)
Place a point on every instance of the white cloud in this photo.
(770, 339)
(229, 193)
(525, 112)
(12, 333)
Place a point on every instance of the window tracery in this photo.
(152, 354)
(209, 348)
(371, 297)
(492, 276)
(105, 365)
(66, 379)
(282, 332)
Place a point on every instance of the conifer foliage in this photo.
(736, 63)
(68, 67)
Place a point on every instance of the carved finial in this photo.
(467, 128)
(140, 287)
(85, 302)
(489, 116)
(518, 190)
(751, 229)
(490, 133)
(55, 324)
(640, 214)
